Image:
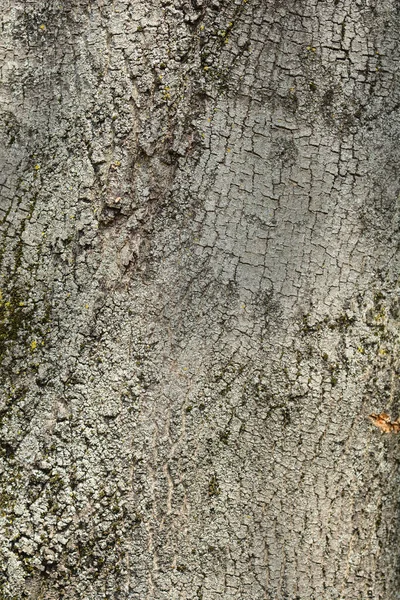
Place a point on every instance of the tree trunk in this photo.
(199, 299)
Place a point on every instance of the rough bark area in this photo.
(199, 299)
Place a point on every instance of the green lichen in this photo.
(15, 319)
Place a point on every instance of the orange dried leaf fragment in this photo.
(384, 422)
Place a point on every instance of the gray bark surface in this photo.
(199, 299)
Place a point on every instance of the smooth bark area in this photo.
(199, 299)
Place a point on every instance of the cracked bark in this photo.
(199, 299)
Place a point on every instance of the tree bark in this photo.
(199, 299)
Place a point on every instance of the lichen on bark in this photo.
(199, 276)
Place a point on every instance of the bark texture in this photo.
(199, 299)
